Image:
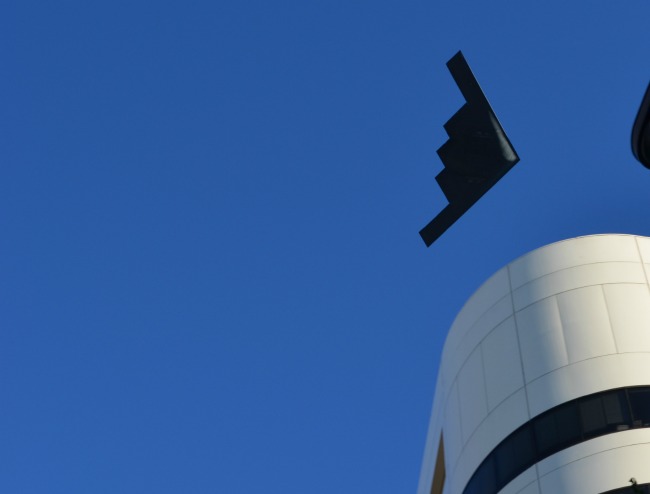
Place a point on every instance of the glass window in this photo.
(603, 413)
(616, 410)
(514, 455)
(486, 480)
(640, 403)
(592, 415)
(545, 433)
(557, 429)
(568, 424)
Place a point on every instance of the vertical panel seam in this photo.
(559, 316)
(485, 390)
(521, 356)
(609, 319)
(638, 250)
(521, 359)
(460, 424)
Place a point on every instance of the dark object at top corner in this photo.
(641, 132)
(476, 156)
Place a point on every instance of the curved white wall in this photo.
(564, 321)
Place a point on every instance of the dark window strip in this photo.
(556, 429)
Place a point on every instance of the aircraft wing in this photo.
(476, 156)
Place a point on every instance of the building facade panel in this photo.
(585, 323)
(579, 379)
(471, 393)
(453, 433)
(595, 446)
(542, 339)
(628, 306)
(491, 317)
(573, 252)
(559, 366)
(495, 288)
(506, 418)
(600, 472)
(532, 488)
(526, 482)
(578, 277)
(643, 244)
(503, 373)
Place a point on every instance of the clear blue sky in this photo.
(210, 270)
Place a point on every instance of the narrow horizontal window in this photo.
(559, 428)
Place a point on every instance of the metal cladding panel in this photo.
(601, 465)
(577, 322)
(570, 253)
(532, 488)
(587, 377)
(503, 374)
(542, 340)
(471, 394)
(490, 319)
(595, 446)
(585, 323)
(510, 414)
(644, 248)
(525, 483)
(452, 426)
(601, 273)
(629, 313)
(491, 292)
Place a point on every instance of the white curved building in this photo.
(544, 380)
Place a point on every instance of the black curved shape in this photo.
(641, 132)
(556, 429)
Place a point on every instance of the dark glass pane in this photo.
(557, 429)
(471, 488)
(503, 461)
(560, 428)
(617, 411)
(523, 449)
(567, 419)
(640, 403)
(604, 413)
(504, 458)
(613, 403)
(592, 415)
(486, 480)
(514, 455)
(545, 433)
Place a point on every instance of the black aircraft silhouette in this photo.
(476, 156)
(641, 132)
